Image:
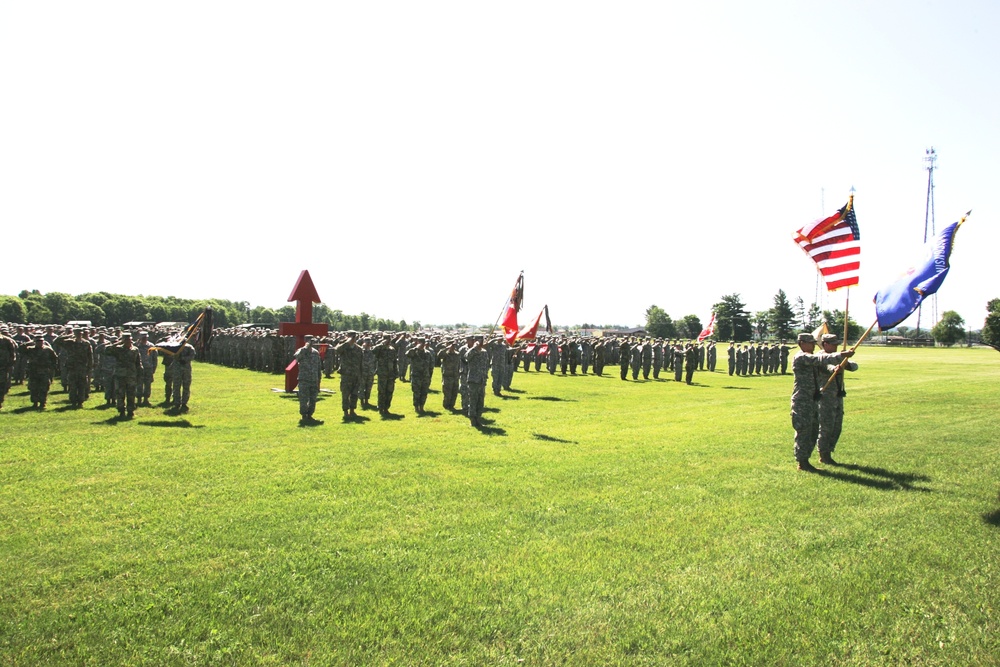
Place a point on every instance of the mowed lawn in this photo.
(593, 521)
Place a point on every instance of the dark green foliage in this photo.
(781, 317)
(12, 309)
(990, 334)
(659, 324)
(835, 320)
(732, 321)
(950, 329)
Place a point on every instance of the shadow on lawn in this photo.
(879, 478)
(487, 429)
(163, 423)
(549, 438)
(993, 518)
(740, 388)
(550, 398)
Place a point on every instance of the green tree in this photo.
(950, 329)
(781, 317)
(37, 311)
(690, 326)
(659, 324)
(61, 305)
(732, 321)
(813, 318)
(761, 319)
(835, 320)
(12, 310)
(990, 334)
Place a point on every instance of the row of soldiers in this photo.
(464, 370)
(757, 359)
(118, 363)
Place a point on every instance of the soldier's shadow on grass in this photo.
(491, 409)
(551, 398)
(508, 398)
(389, 416)
(164, 423)
(429, 413)
(515, 391)
(549, 438)
(879, 478)
(740, 388)
(357, 419)
(65, 408)
(993, 518)
(21, 411)
(487, 428)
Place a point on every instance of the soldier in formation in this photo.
(310, 372)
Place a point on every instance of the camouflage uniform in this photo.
(451, 365)
(678, 357)
(78, 357)
(310, 371)
(148, 357)
(128, 367)
(807, 383)
(420, 375)
(831, 406)
(691, 358)
(41, 364)
(624, 355)
(181, 366)
(367, 374)
(350, 356)
(497, 349)
(478, 363)
(8, 357)
(387, 369)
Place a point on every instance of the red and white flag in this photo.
(834, 243)
(707, 331)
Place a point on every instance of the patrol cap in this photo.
(126, 334)
(831, 338)
(806, 337)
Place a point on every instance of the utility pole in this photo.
(930, 159)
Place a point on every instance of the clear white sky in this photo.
(415, 156)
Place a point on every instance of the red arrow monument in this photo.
(304, 295)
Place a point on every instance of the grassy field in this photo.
(593, 521)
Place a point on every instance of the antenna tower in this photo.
(930, 159)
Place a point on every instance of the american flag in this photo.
(834, 243)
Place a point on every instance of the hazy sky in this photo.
(415, 156)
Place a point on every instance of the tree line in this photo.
(783, 321)
(107, 309)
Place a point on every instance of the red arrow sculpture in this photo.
(304, 295)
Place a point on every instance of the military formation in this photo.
(122, 366)
(119, 365)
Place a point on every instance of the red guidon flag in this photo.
(834, 243)
(707, 331)
(530, 331)
(509, 324)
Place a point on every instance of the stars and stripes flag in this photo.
(834, 243)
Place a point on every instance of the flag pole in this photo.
(844, 362)
(847, 300)
(505, 304)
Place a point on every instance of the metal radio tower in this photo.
(930, 158)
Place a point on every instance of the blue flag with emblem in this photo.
(896, 302)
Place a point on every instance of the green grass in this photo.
(593, 522)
